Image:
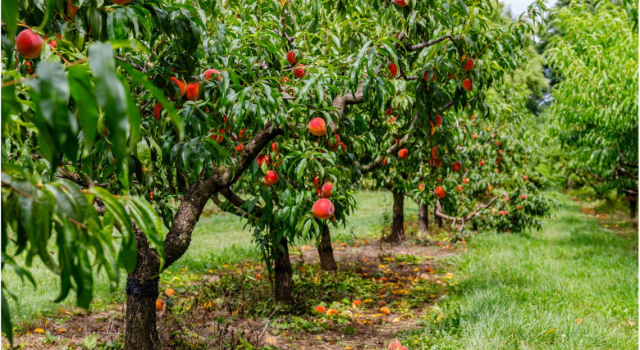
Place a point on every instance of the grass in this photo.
(573, 285)
(217, 239)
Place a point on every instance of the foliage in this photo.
(595, 108)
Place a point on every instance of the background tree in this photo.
(594, 112)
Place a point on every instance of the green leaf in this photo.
(7, 326)
(83, 94)
(10, 15)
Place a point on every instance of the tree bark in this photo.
(325, 251)
(283, 272)
(142, 291)
(633, 207)
(397, 226)
(439, 220)
(423, 219)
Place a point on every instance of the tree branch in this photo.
(428, 43)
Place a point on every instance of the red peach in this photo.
(299, 71)
(403, 153)
(29, 44)
(318, 127)
(323, 209)
(211, 71)
(291, 58)
(393, 70)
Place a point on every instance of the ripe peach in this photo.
(331, 312)
(342, 145)
(421, 187)
(29, 44)
(523, 197)
(321, 309)
(403, 153)
(169, 292)
(481, 163)
(326, 190)
(384, 161)
(385, 310)
(315, 181)
(497, 162)
(211, 71)
(323, 209)
(467, 85)
(525, 177)
(318, 127)
(271, 178)
(467, 64)
(499, 151)
(519, 207)
(456, 166)
(434, 152)
(472, 117)
(218, 137)
(388, 111)
(394, 345)
(498, 143)
(465, 181)
(261, 159)
(157, 109)
(193, 91)
(239, 147)
(475, 136)
(426, 76)
(299, 71)
(178, 85)
(438, 121)
(459, 188)
(402, 3)
(274, 147)
(29, 67)
(393, 70)
(356, 303)
(336, 137)
(506, 199)
(440, 193)
(159, 304)
(382, 302)
(291, 58)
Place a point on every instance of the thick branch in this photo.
(428, 43)
(466, 218)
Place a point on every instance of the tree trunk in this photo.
(438, 219)
(142, 291)
(325, 251)
(397, 226)
(283, 272)
(423, 219)
(633, 207)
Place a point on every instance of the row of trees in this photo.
(130, 116)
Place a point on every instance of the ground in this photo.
(572, 285)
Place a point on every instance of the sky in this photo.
(520, 6)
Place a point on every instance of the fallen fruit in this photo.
(332, 312)
(159, 304)
(321, 309)
(385, 310)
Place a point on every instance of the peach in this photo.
(438, 121)
(475, 136)
(342, 145)
(459, 188)
(388, 111)
(29, 44)
(402, 3)
(394, 345)
(274, 147)
(456, 166)
(239, 147)
(403, 153)
(499, 151)
(159, 304)
(472, 117)
(320, 309)
(157, 109)
(421, 187)
(385, 310)
(261, 159)
(426, 76)
(482, 163)
(498, 143)
(523, 197)
(440, 192)
(211, 71)
(272, 177)
(326, 190)
(468, 64)
(382, 302)
(193, 91)
(323, 209)
(337, 141)
(519, 207)
(384, 161)
(434, 152)
(331, 312)
(465, 181)
(393, 70)
(179, 85)
(29, 67)
(318, 127)
(356, 303)
(467, 85)
(315, 181)
(291, 58)
(525, 177)
(169, 292)
(218, 137)
(299, 71)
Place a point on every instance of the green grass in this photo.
(573, 285)
(217, 239)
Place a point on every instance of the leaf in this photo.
(86, 105)
(10, 15)
(111, 97)
(7, 326)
